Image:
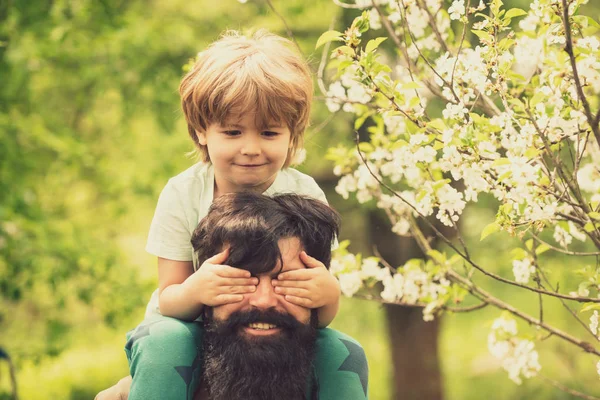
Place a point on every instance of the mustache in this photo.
(240, 319)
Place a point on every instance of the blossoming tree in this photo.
(518, 121)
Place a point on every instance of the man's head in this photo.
(261, 75)
(263, 346)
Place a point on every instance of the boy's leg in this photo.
(340, 366)
(165, 358)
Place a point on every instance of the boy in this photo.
(247, 103)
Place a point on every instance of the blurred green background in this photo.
(90, 131)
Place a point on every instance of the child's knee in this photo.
(341, 362)
(164, 335)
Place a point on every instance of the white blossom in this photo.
(335, 95)
(457, 9)
(350, 283)
(562, 237)
(576, 233)
(589, 42)
(370, 269)
(451, 205)
(522, 269)
(454, 111)
(518, 356)
(374, 19)
(346, 185)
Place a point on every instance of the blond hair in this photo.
(236, 74)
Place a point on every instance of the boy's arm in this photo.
(173, 300)
(182, 293)
(328, 312)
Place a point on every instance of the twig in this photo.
(488, 298)
(420, 305)
(287, 27)
(568, 390)
(593, 121)
(323, 62)
(571, 253)
(573, 313)
(433, 24)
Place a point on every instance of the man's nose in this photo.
(264, 297)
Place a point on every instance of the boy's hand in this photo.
(312, 287)
(214, 284)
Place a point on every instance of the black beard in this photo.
(238, 366)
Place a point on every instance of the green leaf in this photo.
(532, 152)
(328, 36)
(360, 121)
(529, 244)
(537, 97)
(518, 253)
(589, 227)
(365, 147)
(489, 229)
(594, 215)
(440, 184)
(437, 256)
(410, 85)
(501, 161)
(514, 12)
(438, 124)
(346, 50)
(590, 307)
(373, 44)
(542, 249)
(484, 36)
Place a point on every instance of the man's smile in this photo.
(261, 329)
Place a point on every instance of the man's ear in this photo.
(201, 137)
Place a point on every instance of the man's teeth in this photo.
(261, 325)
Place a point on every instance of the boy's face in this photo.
(244, 157)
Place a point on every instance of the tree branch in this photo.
(457, 251)
(593, 121)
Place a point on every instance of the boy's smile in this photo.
(244, 156)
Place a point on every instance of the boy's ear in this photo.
(201, 137)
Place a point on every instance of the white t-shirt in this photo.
(185, 200)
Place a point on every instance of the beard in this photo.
(273, 367)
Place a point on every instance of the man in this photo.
(264, 347)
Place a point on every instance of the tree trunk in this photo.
(414, 342)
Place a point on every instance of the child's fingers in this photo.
(296, 275)
(297, 292)
(237, 289)
(237, 281)
(300, 301)
(291, 283)
(219, 258)
(225, 271)
(309, 261)
(228, 298)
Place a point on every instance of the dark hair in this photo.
(252, 224)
